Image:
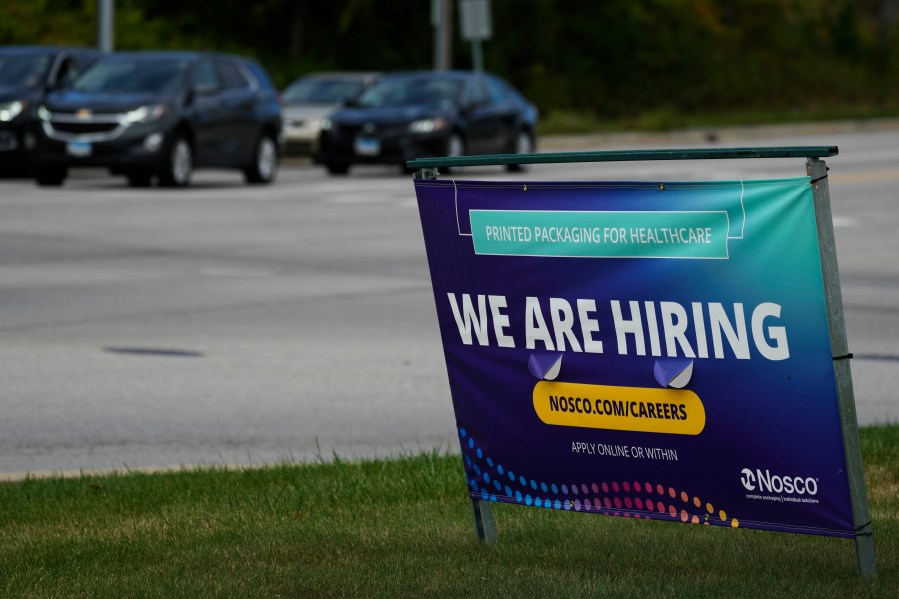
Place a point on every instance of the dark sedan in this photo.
(27, 73)
(420, 114)
(151, 115)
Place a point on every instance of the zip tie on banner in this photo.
(813, 181)
(845, 357)
(869, 533)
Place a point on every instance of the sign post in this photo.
(655, 350)
(476, 27)
(864, 542)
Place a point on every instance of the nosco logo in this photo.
(748, 479)
(772, 483)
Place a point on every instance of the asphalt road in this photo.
(226, 324)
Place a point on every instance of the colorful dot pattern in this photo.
(489, 480)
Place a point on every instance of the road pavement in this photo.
(233, 325)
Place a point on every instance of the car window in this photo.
(498, 92)
(206, 78)
(322, 91)
(232, 77)
(132, 75)
(413, 91)
(66, 72)
(475, 93)
(23, 71)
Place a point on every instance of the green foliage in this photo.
(656, 61)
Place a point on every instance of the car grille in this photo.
(382, 131)
(66, 127)
(84, 128)
(346, 130)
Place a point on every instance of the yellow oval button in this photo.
(647, 410)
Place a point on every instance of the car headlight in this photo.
(44, 114)
(427, 125)
(325, 125)
(145, 114)
(10, 110)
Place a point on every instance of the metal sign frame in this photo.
(816, 169)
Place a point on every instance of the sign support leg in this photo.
(483, 521)
(864, 542)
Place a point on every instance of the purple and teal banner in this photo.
(655, 351)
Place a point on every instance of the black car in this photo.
(27, 73)
(419, 114)
(161, 114)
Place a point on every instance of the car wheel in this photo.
(337, 168)
(524, 144)
(179, 167)
(455, 147)
(51, 176)
(265, 161)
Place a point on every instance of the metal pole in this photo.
(864, 541)
(483, 521)
(442, 21)
(105, 13)
(436, 19)
(477, 56)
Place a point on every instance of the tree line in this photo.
(611, 58)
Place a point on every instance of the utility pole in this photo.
(442, 22)
(105, 20)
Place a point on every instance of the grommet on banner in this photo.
(661, 187)
(525, 188)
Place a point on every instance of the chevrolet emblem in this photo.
(83, 113)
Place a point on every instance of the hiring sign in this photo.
(646, 350)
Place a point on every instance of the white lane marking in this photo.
(845, 221)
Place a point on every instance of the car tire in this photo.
(524, 144)
(51, 176)
(265, 161)
(337, 168)
(179, 164)
(455, 147)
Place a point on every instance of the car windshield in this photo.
(417, 91)
(133, 75)
(321, 91)
(23, 71)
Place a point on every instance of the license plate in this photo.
(368, 146)
(79, 149)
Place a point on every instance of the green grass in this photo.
(400, 528)
(557, 122)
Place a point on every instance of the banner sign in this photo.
(647, 350)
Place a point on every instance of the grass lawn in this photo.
(400, 528)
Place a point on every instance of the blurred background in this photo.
(610, 65)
